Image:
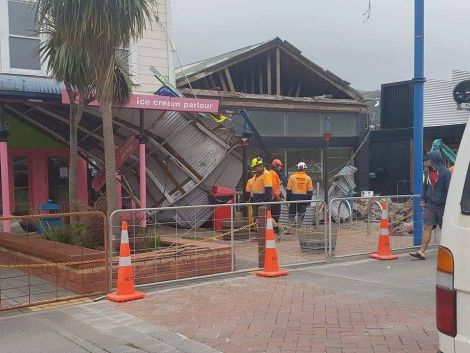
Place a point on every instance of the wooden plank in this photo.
(268, 73)
(229, 79)
(273, 102)
(299, 86)
(260, 81)
(222, 81)
(278, 71)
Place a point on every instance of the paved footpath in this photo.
(364, 306)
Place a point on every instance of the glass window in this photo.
(23, 53)
(23, 37)
(58, 178)
(303, 124)
(268, 123)
(311, 156)
(124, 56)
(465, 201)
(21, 184)
(342, 124)
(337, 159)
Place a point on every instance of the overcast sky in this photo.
(330, 33)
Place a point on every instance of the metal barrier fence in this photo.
(362, 218)
(52, 257)
(176, 242)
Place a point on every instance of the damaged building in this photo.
(288, 98)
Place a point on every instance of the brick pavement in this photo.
(293, 314)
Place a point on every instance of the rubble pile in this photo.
(400, 214)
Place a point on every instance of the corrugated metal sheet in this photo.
(31, 84)
(193, 68)
(440, 108)
(342, 186)
(186, 154)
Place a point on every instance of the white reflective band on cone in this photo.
(124, 237)
(384, 231)
(385, 214)
(270, 244)
(269, 223)
(125, 261)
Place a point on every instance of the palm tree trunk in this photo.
(76, 112)
(109, 157)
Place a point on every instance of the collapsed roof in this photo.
(186, 153)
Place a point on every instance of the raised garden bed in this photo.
(83, 270)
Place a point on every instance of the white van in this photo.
(453, 259)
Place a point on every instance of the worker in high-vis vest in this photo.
(276, 169)
(261, 185)
(299, 187)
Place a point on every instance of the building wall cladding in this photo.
(151, 50)
(397, 105)
(439, 106)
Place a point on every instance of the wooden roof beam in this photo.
(278, 71)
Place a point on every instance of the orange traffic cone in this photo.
(384, 252)
(271, 266)
(125, 281)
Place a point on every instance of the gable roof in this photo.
(204, 68)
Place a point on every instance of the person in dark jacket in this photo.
(433, 198)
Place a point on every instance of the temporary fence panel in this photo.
(230, 241)
(358, 234)
(52, 257)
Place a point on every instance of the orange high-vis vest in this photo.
(276, 185)
(258, 186)
(300, 183)
(249, 186)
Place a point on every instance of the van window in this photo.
(465, 201)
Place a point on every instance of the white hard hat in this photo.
(301, 166)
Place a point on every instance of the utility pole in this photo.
(418, 94)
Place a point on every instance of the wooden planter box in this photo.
(83, 270)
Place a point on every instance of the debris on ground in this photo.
(400, 214)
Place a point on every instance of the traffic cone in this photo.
(271, 266)
(125, 280)
(384, 252)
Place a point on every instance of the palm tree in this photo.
(69, 64)
(99, 28)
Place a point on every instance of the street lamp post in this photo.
(418, 93)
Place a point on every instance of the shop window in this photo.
(338, 157)
(24, 39)
(58, 178)
(21, 184)
(342, 124)
(303, 124)
(465, 201)
(311, 156)
(268, 123)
